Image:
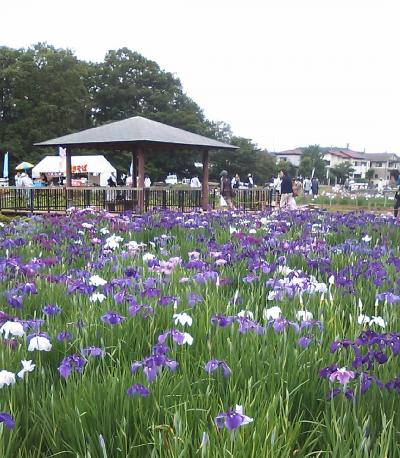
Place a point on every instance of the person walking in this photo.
(314, 187)
(286, 189)
(227, 193)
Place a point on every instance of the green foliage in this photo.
(42, 95)
(369, 174)
(287, 166)
(342, 171)
(248, 158)
(312, 158)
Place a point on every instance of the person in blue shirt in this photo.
(286, 189)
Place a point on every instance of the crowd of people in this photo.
(284, 189)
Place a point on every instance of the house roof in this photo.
(382, 157)
(290, 152)
(136, 130)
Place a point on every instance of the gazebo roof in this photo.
(136, 130)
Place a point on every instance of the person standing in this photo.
(286, 189)
(226, 189)
(195, 182)
(314, 187)
(250, 181)
(236, 182)
(147, 181)
(307, 186)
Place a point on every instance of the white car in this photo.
(171, 179)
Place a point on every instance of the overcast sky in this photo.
(284, 73)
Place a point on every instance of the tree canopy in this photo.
(312, 160)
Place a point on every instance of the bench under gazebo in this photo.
(139, 136)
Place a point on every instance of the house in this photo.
(292, 155)
(383, 165)
(335, 156)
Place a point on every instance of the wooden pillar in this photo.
(68, 167)
(204, 183)
(134, 169)
(140, 174)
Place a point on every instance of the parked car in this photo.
(171, 179)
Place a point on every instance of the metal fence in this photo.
(57, 199)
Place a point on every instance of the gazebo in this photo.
(139, 135)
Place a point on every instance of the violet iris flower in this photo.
(7, 419)
(177, 336)
(232, 419)
(71, 363)
(64, 336)
(152, 365)
(215, 364)
(112, 318)
(139, 389)
(51, 309)
(93, 351)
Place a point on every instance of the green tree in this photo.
(312, 159)
(127, 84)
(369, 174)
(248, 158)
(342, 171)
(287, 166)
(43, 95)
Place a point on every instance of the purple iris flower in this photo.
(51, 309)
(139, 389)
(119, 297)
(177, 336)
(232, 419)
(15, 301)
(304, 341)
(71, 363)
(93, 351)
(215, 364)
(222, 320)
(134, 309)
(193, 299)
(168, 300)
(152, 365)
(7, 419)
(151, 292)
(29, 288)
(64, 336)
(112, 318)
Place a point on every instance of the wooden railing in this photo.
(120, 199)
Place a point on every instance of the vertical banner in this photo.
(5, 165)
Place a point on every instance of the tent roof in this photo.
(55, 164)
(136, 130)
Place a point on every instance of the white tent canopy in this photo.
(95, 166)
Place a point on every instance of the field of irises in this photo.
(211, 335)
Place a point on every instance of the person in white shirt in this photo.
(195, 182)
(307, 186)
(147, 182)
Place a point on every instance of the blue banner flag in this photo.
(5, 166)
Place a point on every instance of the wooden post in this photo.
(140, 170)
(204, 183)
(134, 169)
(68, 180)
(68, 167)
